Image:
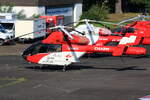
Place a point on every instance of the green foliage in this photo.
(96, 12)
(9, 9)
(137, 6)
(140, 1)
(145, 3)
(6, 9)
(21, 15)
(36, 15)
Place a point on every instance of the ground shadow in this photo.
(102, 55)
(97, 55)
(81, 67)
(125, 68)
(59, 68)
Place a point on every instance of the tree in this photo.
(118, 7)
(97, 11)
(145, 4)
(139, 1)
(9, 9)
(6, 9)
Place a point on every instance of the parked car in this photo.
(5, 35)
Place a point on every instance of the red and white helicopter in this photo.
(139, 30)
(134, 34)
(64, 48)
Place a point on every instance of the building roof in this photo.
(38, 2)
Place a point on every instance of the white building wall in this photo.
(41, 10)
(29, 11)
(77, 11)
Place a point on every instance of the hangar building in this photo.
(71, 9)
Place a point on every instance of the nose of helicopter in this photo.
(24, 54)
(33, 58)
(27, 57)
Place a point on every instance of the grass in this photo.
(115, 18)
(120, 17)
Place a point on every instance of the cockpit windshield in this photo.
(124, 30)
(42, 48)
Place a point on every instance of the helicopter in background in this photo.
(129, 35)
(140, 28)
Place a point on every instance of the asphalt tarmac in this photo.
(97, 77)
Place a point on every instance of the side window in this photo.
(60, 22)
(44, 48)
(131, 30)
(54, 48)
(117, 30)
(58, 48)
(50, 24)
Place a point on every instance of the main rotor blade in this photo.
(89, 26)
(66, 32)
(94, 21)
(127, 20)
(140, 17)
(103, 22)
(146, 16)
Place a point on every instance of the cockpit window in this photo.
(131, 30)
(60, 22)
(50, 24)
(124, 30)
(42, 48)
(117, 30)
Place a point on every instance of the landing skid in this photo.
(64, 68)
(47, 67)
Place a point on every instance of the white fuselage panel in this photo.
(61, 58)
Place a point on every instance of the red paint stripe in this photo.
(36, 58)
